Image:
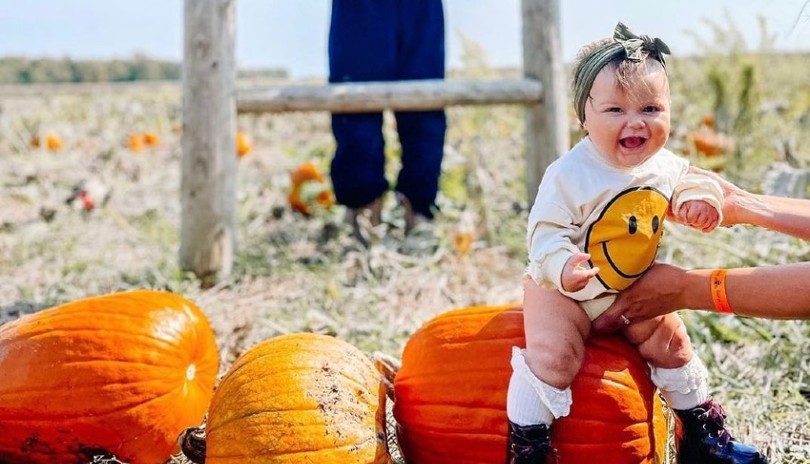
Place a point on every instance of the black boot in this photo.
(529, 444)
(705, 439)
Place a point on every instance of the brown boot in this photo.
(364, 220)
(529, 444)
(412, 218)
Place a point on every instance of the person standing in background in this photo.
(387, 40)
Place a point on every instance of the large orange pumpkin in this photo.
(451, 395)
(119, 374)
(298, 399)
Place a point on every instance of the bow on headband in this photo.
(637, 48)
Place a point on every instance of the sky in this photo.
(292, 34)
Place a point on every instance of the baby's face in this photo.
(628, 126)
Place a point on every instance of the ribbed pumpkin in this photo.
(298, 399)
(118, 374)
(451, 395)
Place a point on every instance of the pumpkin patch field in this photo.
(93, 208)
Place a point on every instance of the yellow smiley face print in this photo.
(624, 240)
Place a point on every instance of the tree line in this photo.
(22, 70)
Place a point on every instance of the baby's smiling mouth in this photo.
(632, 142)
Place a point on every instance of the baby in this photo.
(593, 230)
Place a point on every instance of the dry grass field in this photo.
(307, 274)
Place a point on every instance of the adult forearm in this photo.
(773, 292)
(787, 215)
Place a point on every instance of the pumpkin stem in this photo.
(192, 444)
(388, 366)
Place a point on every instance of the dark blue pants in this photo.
(387, 40)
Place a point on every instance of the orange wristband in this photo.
(718, 290)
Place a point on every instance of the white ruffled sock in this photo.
(683, 387)
(523, 406)
(530, 401)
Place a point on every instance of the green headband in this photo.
(624, 46)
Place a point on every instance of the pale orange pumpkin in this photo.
(298, 399)
(451, 395)
(308, 189)
(120, 374)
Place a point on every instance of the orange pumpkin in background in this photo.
(309, 189)
(53, 142)
(708, 141)
(120, 374)
(451, 395)
(243, 144)
(151, 139)
(136, 143)
(708, 120)
(297, 399)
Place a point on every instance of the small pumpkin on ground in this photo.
(243, 144)
(151, 139)
(295, 399)
(120, 374)
(706, 140)
(451, 395)
(53, 142)
(136, 143)
(309, 190)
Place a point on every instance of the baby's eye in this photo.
(614, 109)
(651, 109)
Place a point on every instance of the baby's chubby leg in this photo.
(682, 378)
(556, 329)
(680, 375)
(662, 341)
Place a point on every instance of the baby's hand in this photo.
(574, 275)
(699, 214)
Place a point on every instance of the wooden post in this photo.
(208, 195)
(546, 122)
